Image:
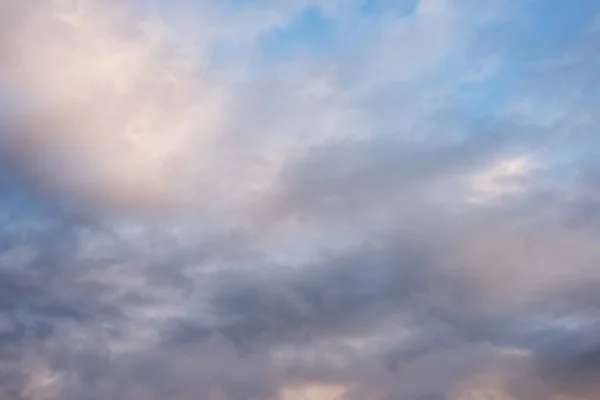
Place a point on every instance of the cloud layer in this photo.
(202, 201)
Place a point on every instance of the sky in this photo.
(299, 199)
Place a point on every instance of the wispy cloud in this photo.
(187, 212)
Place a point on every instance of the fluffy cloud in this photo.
(181, 224)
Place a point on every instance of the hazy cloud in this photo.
(186, 213)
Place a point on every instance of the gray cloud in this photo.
(331, 237)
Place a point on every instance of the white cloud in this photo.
(116, 115)
(349, 196)
(503, 178)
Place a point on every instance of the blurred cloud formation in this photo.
(203, 200)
